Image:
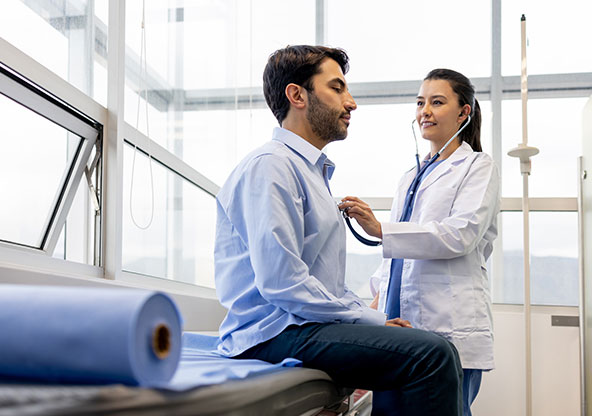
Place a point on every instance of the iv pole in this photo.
(524, 153)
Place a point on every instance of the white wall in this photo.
(555, 364)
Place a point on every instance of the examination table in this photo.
(204, 384)
(284, 391)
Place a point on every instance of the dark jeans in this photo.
(412, 372)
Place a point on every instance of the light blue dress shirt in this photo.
(280, 246)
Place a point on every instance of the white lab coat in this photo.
(445, 244)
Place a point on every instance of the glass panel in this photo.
(508, 284)
(228, 134)
(553, 263)
(151, 121)
(178, 243)
(35, 156)
(60, 36)
(247, 32)
(362, 261)
(554, 169)
(380, 148)
(392, 41)
(554, 258)
(557, 36)
(182, 61)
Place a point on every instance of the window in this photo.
(196, 88)
(192, 100)
(168, 223)
(67, 37)
(380, 148)
(556, 36)
(46, 146)
(559, 143)
(553, 262)
(396, 41)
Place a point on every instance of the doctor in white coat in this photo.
(442, 226)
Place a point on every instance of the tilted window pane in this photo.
(78, 236)
(394, 40)
(35, 156)
(553, 259)
(67, 38)
(168, 234)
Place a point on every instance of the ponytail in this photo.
(472, 134)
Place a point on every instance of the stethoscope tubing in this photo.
(363, 240)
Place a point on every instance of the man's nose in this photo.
(350, 103)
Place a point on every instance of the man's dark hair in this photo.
(295, 64)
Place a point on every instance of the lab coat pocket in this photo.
(465, 306)
(436, 304)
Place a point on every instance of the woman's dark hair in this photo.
(465, 92)
(295, 64)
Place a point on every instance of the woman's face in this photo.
(438, 113)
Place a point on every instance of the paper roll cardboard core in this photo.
(161, 341)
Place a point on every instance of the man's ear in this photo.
(296, 95)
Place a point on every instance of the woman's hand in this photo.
(374, 303)
(362, 213)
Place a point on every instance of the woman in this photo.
(443, 223)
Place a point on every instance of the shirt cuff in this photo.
(372, 317)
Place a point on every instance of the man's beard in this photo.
(324, 121)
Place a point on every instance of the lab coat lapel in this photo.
(447, 166)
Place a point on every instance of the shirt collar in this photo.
(313, 155)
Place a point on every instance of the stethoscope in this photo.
(414, 185)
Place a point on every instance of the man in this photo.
(280, 255)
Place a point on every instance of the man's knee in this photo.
(445, 358)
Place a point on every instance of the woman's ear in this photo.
(466, 110)
(296, 95)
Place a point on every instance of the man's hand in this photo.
(403, 323)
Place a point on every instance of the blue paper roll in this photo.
(88, 335)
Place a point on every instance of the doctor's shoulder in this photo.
(483, 160)
(483, 169)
